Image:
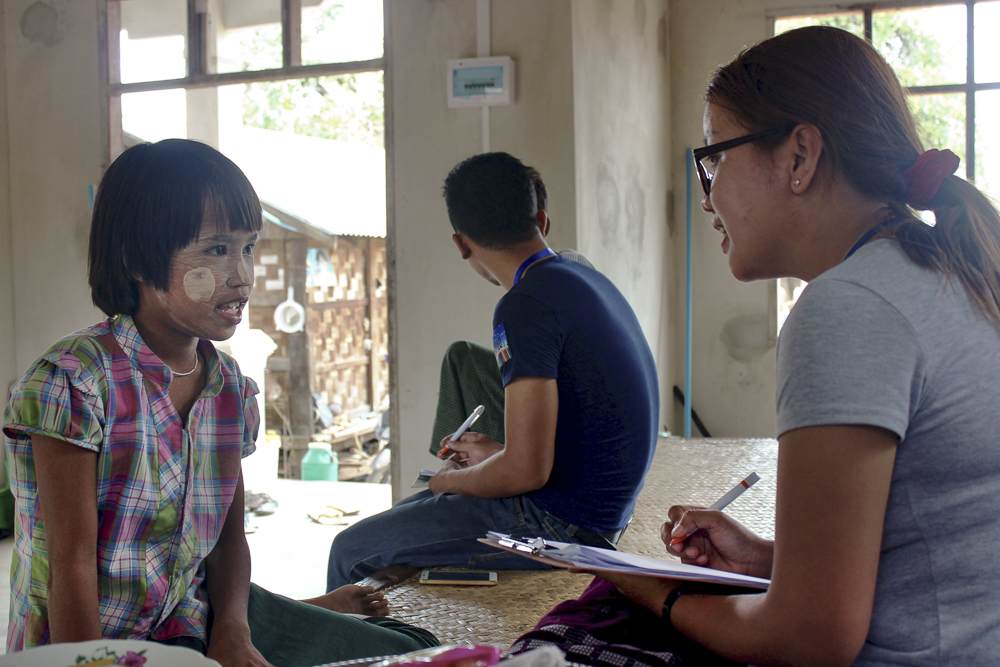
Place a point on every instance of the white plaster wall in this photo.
(539, 128)
(7, 343)
(53, 132)
(733, 385)
(438, 298)
(621, 91)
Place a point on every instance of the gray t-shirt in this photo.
(880, 341)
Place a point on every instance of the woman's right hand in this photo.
(718, 541)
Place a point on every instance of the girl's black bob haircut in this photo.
(150, 204)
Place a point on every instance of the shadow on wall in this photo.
(610, 208)
(40, 23)
(746, 337)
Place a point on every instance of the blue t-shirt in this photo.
(567, 321)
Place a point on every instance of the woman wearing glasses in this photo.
(888, 504)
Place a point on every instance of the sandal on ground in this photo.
(261, 504)
(331, 516)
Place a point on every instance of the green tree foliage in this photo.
(349, 107)
(918, 59)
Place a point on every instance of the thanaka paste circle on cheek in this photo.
(199, 284)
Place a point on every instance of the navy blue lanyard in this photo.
(545, 252)
(867, 237)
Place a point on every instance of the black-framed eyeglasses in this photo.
(707, 171)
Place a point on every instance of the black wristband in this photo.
(668, 604)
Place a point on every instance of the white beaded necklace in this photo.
(180, 375)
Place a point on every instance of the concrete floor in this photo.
(289, 551)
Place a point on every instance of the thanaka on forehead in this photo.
(223, 213)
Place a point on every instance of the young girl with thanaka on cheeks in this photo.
(888, 379)
(125, 440)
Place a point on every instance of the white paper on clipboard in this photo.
(562, 554)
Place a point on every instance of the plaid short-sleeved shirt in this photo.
(162, 490)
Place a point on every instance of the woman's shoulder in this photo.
(883, 269)
(880, 290)
(880, 264)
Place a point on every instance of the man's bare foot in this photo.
(353, 599)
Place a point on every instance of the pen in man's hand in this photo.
(463, 428)
(722, 502)
(467, 423)
(425, 475)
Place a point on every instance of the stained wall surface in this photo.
(8, 345)
(53, 131)
(621, 113)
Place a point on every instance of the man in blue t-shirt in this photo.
(580, 394)
(470, 376)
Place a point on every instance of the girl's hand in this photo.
(718, 541)
(472, 448)
(231, 647)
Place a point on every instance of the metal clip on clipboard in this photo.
(533, 546)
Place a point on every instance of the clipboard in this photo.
(565, 555)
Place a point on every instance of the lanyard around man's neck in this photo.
(544, 252)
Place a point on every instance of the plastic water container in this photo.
(319, 463)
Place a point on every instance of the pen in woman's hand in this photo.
(722, 502)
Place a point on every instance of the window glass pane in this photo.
(341, 31)
(153, 38)
(789, 290)
(155, 115)
(941, 121)
(248, 36)
(851, 22)
(987, 19)
(313, 147)
(925, 46)
(988, 142)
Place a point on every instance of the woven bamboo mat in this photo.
(697, 472)
(494, 615)
(693, 471)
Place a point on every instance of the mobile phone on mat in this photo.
(458, 578)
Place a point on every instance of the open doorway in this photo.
(293, 92)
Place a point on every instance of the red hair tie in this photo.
(924, 178)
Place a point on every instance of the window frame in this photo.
(969, 88)
(197, 60)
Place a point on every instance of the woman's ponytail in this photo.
(965, 242)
